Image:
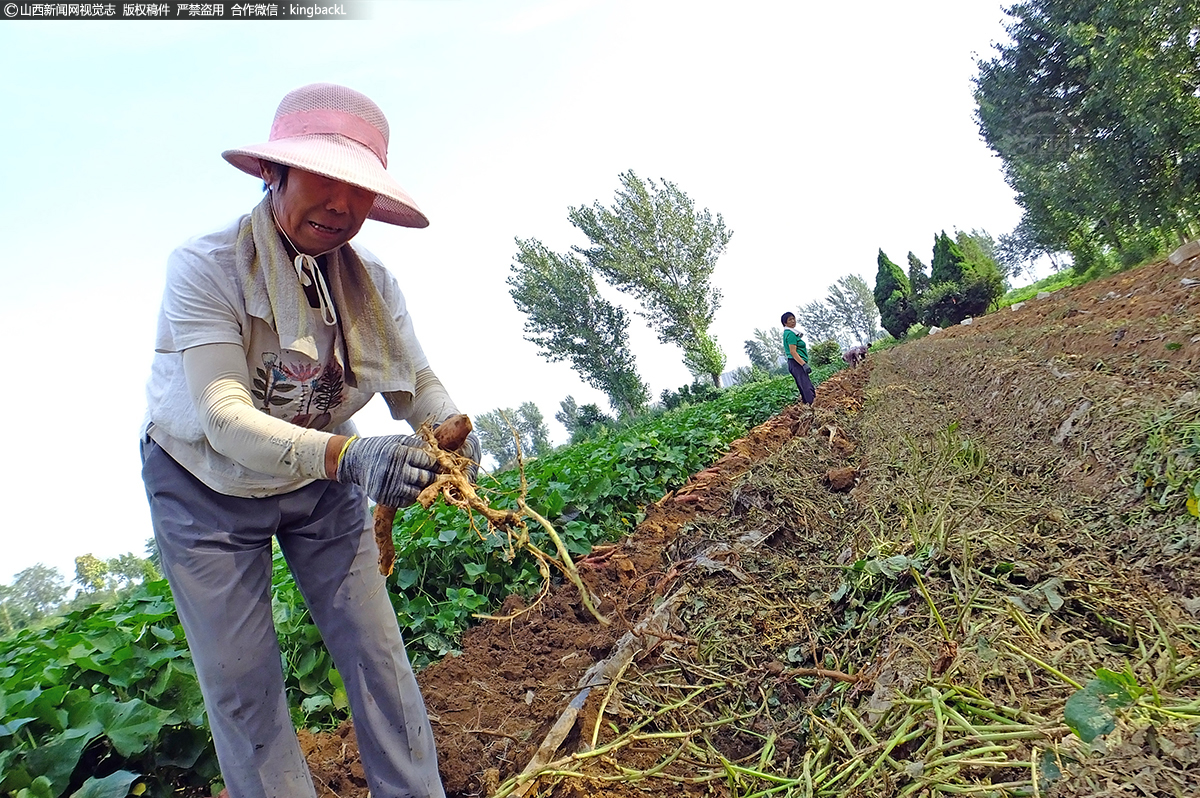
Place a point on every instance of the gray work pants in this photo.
(216, 554)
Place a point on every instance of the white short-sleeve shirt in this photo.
(203, 303)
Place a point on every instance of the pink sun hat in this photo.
(339, 133)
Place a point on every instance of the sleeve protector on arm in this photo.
(220, 387)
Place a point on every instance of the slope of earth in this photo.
(974, 553)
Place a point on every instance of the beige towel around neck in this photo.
(373, 356)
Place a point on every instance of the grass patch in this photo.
(1062, 279)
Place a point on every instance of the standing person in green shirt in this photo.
(797, 358)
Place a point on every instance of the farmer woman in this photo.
(797, 358)
(273, 332)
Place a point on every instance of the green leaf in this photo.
(1048, 768)
(115, 785)
(13, 776)
(40, 788)
(56, 761)
(163, 634)
(1090, 710)
(406, 577)
(554, 504)
(316, 703)
(181, 747)
(1123, 682)
(131, 726)
(891, 567)
(13, 726)
(176, 687)
(340, 699)
(308, 661)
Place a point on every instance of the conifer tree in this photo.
(958, 288)
(893, 297)
(948, 261)
(918, 278)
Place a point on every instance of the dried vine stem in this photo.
(456, 488)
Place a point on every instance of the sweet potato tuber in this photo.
(450, 435)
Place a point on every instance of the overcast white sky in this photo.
(821, 133)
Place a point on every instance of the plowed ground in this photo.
(894, 594)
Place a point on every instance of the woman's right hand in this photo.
(392, 469)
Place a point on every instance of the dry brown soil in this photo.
(1047, 402)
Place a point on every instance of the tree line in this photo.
(1094, 111)
(40, 593)
(654, 246)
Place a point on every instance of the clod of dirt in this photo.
(841, 479)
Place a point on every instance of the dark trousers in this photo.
(807, 392)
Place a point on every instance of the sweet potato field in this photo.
(106, 701)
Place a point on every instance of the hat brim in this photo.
(338, 158)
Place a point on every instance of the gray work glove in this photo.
(392, 469)
(473, 451)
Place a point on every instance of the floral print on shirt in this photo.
(301, 392)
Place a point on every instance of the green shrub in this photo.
(1061, 279)
(916, 331)
(689, 394)
(748, 374)
(825, 353)
(940, 305)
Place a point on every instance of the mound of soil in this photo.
(964, 518)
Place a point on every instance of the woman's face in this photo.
(317, 213)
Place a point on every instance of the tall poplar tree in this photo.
(568, 319)
(654, 245)
(496, 429)
(853, 305)
(764, 349)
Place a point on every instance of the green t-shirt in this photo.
(790, 337)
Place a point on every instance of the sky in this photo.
(820, 133)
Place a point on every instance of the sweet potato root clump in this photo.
(453, 485)
(449, 436)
